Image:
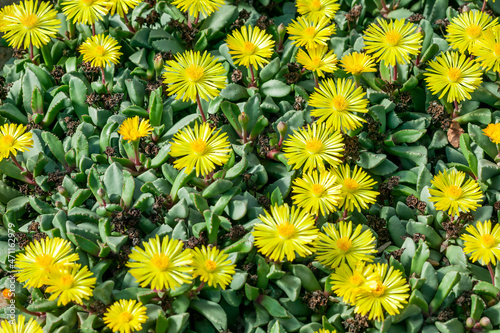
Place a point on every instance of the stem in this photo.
(93, 29)
(196, 20)
(484, 5)
(136, 156)
(198, 101)
(31, 51)
(189, 22)
(455, 110)
(103, 77)
(200, 287)
(252, 74)
(29, 175)
(492, 274)
(395, 73)
(417, 62)
(244, 135)
(31, 313)
(127, 22)
(316, 79)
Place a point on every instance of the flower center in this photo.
(315, 5)
(286, 230)
(496, 49)
(339, 103)
(160, 261)
(350, 184)
(344, 244)
(488, 241)
(44, 260)
(100, 50)
(7, 141)
(314, 146)
(249, 48)
(454, 192)
(317, 190)
(474, 31)
(378, 290)
(194, 73)
(392, 38)
(29, 21)
(454, 74)
(67, 281)
(199, 146)
(316, 61)
(88, 2)
(356, 280)
(310, 32)
(210, 265)
(126, 317)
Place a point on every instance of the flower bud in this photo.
(59, 205)
(7, 294)
(62, 191)
(470, 322)
(282, 127)
(243, 120)
(465, 9)
(101, 192)
(158, 63)
(281, 31)
(486, 323)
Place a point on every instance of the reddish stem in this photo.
(93, 29)
(103, 77)
(29, 176)
(32, 53)
(252, 75)
(395, 73)
(198, 101)
(492, 274)
(484, 5)
(127, 22)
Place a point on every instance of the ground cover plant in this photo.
(250, 166)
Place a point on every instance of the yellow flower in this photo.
(465, 29)
(393, 42)
(250, 47)
(454, 75)
(132, 130)
(200, 149)
(483, 243)
(316, 192)
(385, 289)
(85, 11)
(191, 75)
(487, 49)
(101, 51)
(324, 330)
(70, 285)
(162, 264)
(336, 102)
(213, 266)
(451, 194)
(316, 9)
(195, 8)
(121, 7)
(492, 131)
(342, 244)
(30, 22)
(20, 326)
(41, 258)
(13, 139)
(357, 63)
(313, 146)
(318, 60)
(357, 188)
(347, 282)
(5, 11)
(125, 316)
(285, 232)
(310, 33)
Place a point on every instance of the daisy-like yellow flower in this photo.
(163, 264)
(5, 11)
(101, 51)
(316, 192)
(192, 75)
(454, 75)
(213, 266)
(336, 102)
(357, 188)
(200, 149)
(452, 195)
(70, 284)
(85, 11)
(316, 9)
(492, 131)
(125, 316)
(41, 258)
(346, 281)
(30, 23)
(121, 7)
(195, 8)
(132, 130)
(310, 33)
(324, 330)
(14, 138)
(318, 60)
(392, 42)
(20, 326)
(465, 29)
(385, 289)
(357, 63)
(339, 244)
(487, 49)
(313, 147)
(285, 232)
(250, 47)
(483, 243)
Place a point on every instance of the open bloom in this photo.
(285, 232)
(316, 9)
(250, 46)
(393, 42)
(492, 131)
(487, 49)
(30, 23)
(347, 282)
(339, 244)
(20, 326)
(121, 7)
(5, 11)
(200, 149)
(466, 28)
(313, 147)
(451, 194)
(356, 63)
(318, 60)
(310, 33)
(336, 102)
(14, 138)
(454, 75)
(195, 8)
(70, 284)
(482, 243)
(85, 11)
(101, 51)
(193, 75)
(132, 130)
(125, 316)
(213, 266)
(357, 188)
